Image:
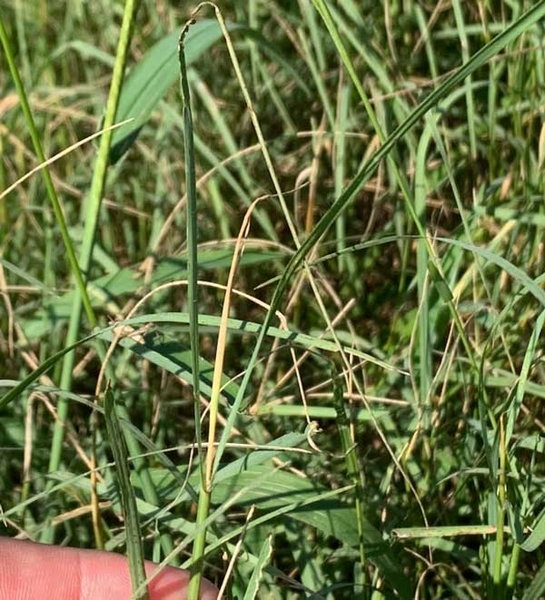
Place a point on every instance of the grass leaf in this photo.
(135, 549)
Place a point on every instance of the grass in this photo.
(313, 282)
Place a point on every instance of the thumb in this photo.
(29, 571)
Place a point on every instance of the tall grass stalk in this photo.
(353, 468)
(75, 268)
(193, 303)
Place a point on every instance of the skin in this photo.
(29, 571)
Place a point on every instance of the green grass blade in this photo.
(174, 358)
(158, 71)
(271, 490)
(107, 291)
(257, 573)
(43, 367)
(193, 301)
(536, 589)
(135, 549)
(464, 44)
(529, 357)
(515, 272)
(192, 239)
(353, 467)
(537, 537)
(153, 76)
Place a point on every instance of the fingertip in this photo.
(29, 571)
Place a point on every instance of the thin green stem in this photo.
(193, 265)
(199, 545)
(193, 309)
(51, 192)
(354, 470)
(92, 210)
(513, 570)
(500, 522)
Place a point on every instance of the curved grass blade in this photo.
(536, 538)
(85, 50)
(173, 354)
(262, 559)
(107, 289)
(42, 368)
(517, 274)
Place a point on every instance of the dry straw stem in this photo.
(235, 554)
(221, 344)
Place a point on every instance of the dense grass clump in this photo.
(303, 278)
